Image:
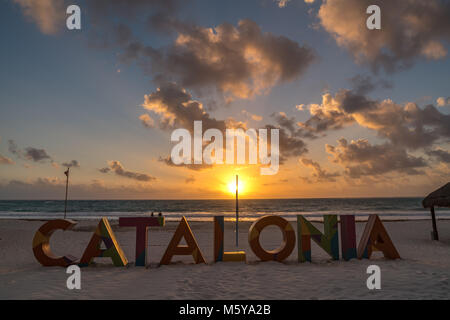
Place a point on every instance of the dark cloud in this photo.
(327, 116)
(71, 164)
(319, 174)
(36, 155)
(195, 167)
(30, 153)
(118, 169)
(290, 145)
(362, 159)
(13, 148)
(409, 30)
(190, 179)
(440, 155)
(104, 170)
(364, 84)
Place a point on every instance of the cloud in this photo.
(177, 109)
(36, 155)
(118, 169)
(441, 155)
(442, 102)
(195, 167)
(238, 62)
(405, 125)
(282, 3)
(71, 164)
(13, 148)
(409, 30)
(30, 153)
(147, 121)
(190, 179)
(319, 174)
(360, 159)
(252, 116)
(326, 116)
(53, 188)
(5, 160)
(104, 170)
(364, 84)
(49, 15)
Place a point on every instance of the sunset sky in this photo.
(361, 113)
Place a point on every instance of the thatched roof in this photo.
(438, 198)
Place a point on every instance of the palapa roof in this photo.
(438, 198)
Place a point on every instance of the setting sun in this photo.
(232, 186)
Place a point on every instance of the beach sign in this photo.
(374, 238)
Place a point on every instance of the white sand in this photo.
(423, 273)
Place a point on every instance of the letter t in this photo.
(141, 224)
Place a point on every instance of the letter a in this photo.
(73, 21)
(374, 21)
(104, 234)
(376, 238)
(183, 230)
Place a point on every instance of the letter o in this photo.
(284, 250)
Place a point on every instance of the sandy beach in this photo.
(423, 272)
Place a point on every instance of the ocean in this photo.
(204, 210)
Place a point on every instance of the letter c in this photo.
(41, 244)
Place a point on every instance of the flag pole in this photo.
(237, 212)
(67, 188)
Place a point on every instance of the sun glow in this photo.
(232, 186)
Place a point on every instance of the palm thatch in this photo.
(438, 198)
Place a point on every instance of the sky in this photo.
(361, 113)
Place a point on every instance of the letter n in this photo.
(104, 234)
(183, 230)
(376, 238)
(329, 241)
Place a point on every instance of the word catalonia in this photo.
(374, 238)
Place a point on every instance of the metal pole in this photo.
(237, 213)
(67, 188)
(433, 218)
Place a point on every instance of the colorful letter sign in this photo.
(141, 224)
(219, 254)
(104, 234)
(328, 241)
(288, 238)
(376, 238)
(41, 244)
(183, 230)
